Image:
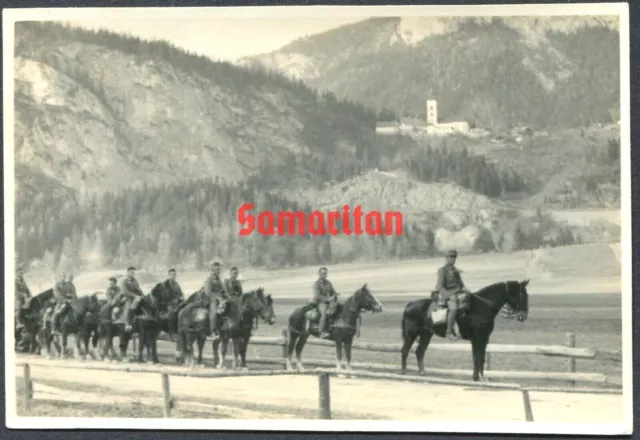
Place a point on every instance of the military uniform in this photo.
(130, 294)
(233, 287)
(22, 295)
(323, 291)
(449, 285)
(449, 282)
(111, 293)
(63, 292)
(175, 289)
(215, 292)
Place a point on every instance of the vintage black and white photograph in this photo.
(319, 218)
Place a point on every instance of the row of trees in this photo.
(191, 224)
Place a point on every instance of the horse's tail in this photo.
(404, 326)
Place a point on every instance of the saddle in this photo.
(438, 314)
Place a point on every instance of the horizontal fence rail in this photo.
(324, 389)
(545, 350)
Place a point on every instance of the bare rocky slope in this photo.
(108, 112)
(490, 71)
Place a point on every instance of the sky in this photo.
(227, 38)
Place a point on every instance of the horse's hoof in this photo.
(421, 373)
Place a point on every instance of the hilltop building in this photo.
(432, 126)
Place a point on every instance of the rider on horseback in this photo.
(215, 291)
(22, 295)
(174, 287)
(113, 290)
(130, 295)
(449, 286)
(323, 293)
(63, 292)
(232, 284)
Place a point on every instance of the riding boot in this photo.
(451, 319)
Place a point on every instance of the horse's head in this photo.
(261, 305)
(518, 299)
(366, 301)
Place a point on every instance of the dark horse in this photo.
(237, 319)
(80, 319)
(144, 322)
(32, 312)
(475, 322)
(342, 319)
(166, 319)
(193, 326)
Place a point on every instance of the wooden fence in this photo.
(569, 351)
(169, 401)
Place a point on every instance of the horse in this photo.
(193, 326)
(343, 321)
(28, 337)
(237, 319)
(144, 322)
(80, 319)
(167, 319)
(475, 322)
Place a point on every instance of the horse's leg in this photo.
(348, 344)
(482, 352)
(291, 344)
(224, 339)
(215, 346)
(423, 343)
(236, 351)
(154, 347)
(475, 351)
(409, 338)
(338, 352)
(124, 344)
(202, 339)
(243, 350)
(65, 340)
(299, 346)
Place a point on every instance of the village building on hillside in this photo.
(431, 127)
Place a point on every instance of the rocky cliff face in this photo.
(106, 112)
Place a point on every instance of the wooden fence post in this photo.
(166, 394)
(570, 341)
(324, 400)
(527, 406)
(28, 387)
(285, 343)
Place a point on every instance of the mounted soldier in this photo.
(129, 296)
(214, 290)
(449, 286)
(22, 296)
(113, 290)
(323, 293)
(63, 293)
(232, 284)
(174, 287)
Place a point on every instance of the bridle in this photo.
(507, 311)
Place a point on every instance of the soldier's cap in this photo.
(452, 253)
(215, 264)
(130, 268)
(233, 268)
(172, 270)
(113, 279)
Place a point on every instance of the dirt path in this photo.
(370, 398)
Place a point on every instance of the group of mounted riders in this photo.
(126, 297)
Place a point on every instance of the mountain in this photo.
(491, 71)
(101, 111)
